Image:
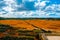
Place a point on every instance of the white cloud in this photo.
(8, 9)
(11, 6)
(40, 4)
(53, 8)
(31, 0)
(9, 1)
(43, 3)
(2, 12)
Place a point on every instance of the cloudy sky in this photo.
(30, 8)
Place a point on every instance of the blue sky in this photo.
(30, 8)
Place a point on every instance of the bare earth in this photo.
(53, 37)
(53, 25)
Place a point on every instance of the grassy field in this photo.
(49, 25)
(29, 29)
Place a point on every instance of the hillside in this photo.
(51, 25)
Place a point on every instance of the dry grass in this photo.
(53, 25)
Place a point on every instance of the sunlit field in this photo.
(23, 29)
(52, 25)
